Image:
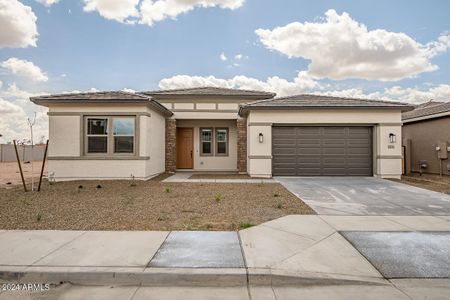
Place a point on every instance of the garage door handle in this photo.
(191, 153)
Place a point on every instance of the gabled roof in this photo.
(428, 110)
(322, 102)
(100, 97)
(211, 91)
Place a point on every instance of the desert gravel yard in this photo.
(150, 205)
(428, 181)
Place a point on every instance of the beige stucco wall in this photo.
(64, 135)
(213, 163)
(387, 156)
(66, 157)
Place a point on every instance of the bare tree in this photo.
(31, 124)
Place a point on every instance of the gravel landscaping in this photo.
(428, 181)
(149, 205)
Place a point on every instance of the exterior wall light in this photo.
(392, 138)
(261, 137)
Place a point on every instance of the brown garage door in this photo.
(321, 151)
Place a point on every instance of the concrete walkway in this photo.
(184, 177)
(281, 258)
(366, 196)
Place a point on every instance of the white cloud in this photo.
(18, 25)
(222, 56)
(91, 90)
(340, 48)
(47, 2)
(24, 68)
(304, 84)
(151, 11)
(128, 90)
(15, 108)
(238, 56)
(155, 11)
(301, 84)
(120, 11)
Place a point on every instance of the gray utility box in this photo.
(443, 150)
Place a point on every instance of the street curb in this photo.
(198, 277)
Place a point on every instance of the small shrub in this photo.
(167, 190)
(38, 217)
(209, 226)
(243, 225)
(133, 180)
(80, 187)
(280, 205)
(218, 197)
(275, 194)
(99, 186)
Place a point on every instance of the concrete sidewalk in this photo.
(291, 255)
(184, 177)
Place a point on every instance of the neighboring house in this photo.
(425, 130)
(116, 135)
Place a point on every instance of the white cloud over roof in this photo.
(339, 48)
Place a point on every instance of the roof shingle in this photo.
(318, 101)
(211, 91)
(101, 97)
(427, 110)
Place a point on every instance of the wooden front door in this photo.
(185, 148)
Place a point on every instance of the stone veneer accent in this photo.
(171, 145)
(242, 145)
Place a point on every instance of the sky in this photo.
(389, 50)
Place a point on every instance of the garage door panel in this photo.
(322, 150)
(334, 131)
(307, 130)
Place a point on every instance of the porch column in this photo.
(242, 145)
(171, 145)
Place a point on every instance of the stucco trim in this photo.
(98, 157)
(260, 156)
(244, 110)
(325, 124)
(260, 124)
(98, 113)
(206, 110)
(390, 124)
(389, 157)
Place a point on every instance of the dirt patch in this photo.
(220, 176)
(10, 175)
(150, 205)
(429, 182)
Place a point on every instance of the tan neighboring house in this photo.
(426, 137)
(119, 135)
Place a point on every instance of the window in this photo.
(110, 135)
(97, 135)
(206, 141)
(221, 141)
(123, 131)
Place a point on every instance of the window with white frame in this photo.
(110, 135)
(206, 141)
(221, 141)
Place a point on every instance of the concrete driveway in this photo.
(365, 196)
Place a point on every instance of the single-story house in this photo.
(119, 135)
(426, 138)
